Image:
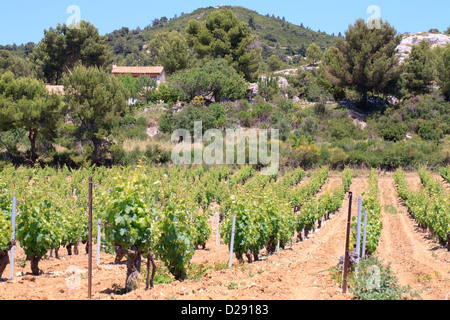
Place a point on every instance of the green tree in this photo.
(214, 80)
(443, 69)
(171, 51)
(131, 84)
(268, 87)
(392, 131)
(25, 103)
(274, 62)
(21, 67)
(223, 35)
(95, 100)
(428, 131)
(314, 54)
(365, 60)
(62, 48)
(419, 68)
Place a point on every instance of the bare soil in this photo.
(300, 272)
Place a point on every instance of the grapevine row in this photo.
(428, 206)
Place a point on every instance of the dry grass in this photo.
(131, 144)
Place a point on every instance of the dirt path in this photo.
(416, 259)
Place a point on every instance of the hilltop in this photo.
(408, 40)
(273, 34)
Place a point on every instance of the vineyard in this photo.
(285, 232)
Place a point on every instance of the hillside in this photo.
(273, 35)
(408, 40)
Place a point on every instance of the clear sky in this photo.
(22, 21)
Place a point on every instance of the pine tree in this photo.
(26, 104)
(313, 53)
(419, 68)
(223, 35)
(365, 60)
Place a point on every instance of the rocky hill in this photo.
(435, 39)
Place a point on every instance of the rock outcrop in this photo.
(435, 39)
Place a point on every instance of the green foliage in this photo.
(5, 231)
(376, 281)
(20, 67)
(26, 104)
(274, 63)
(65, 47)
(185, 119)
(344, 128)
(95, 99)
(313, 54)
(365, 60)
(202, 229)
(129, 216)
(443, 69)
(136, 86)
(427, 131)
(445, 173)
(215, 79)
(223, 35)
(373, 207)
(275, 35)
(37, 227)
(392, 131)
(176, 247)
(414, 111)
(268, 87)
(419, 68)
(170, 50)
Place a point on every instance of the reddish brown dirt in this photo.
(416, 259)
(299, 272)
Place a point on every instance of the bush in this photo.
(309, 127)
(392, 131)
(157, 155)
(429, 132)
(344, 128)
(186, 118)
(376, 281)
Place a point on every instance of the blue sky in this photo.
(22, 21)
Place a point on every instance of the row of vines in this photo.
(429, 206)
(161, 213)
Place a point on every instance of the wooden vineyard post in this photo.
(232, 241)
(13, 237)
(347, 241)
(90, 241)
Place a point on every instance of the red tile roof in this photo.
(55, 89)
(139, 70)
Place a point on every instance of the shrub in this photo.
(376, 281)
(392, 131)
(429, 132)
(157, 155)
(344, 128)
